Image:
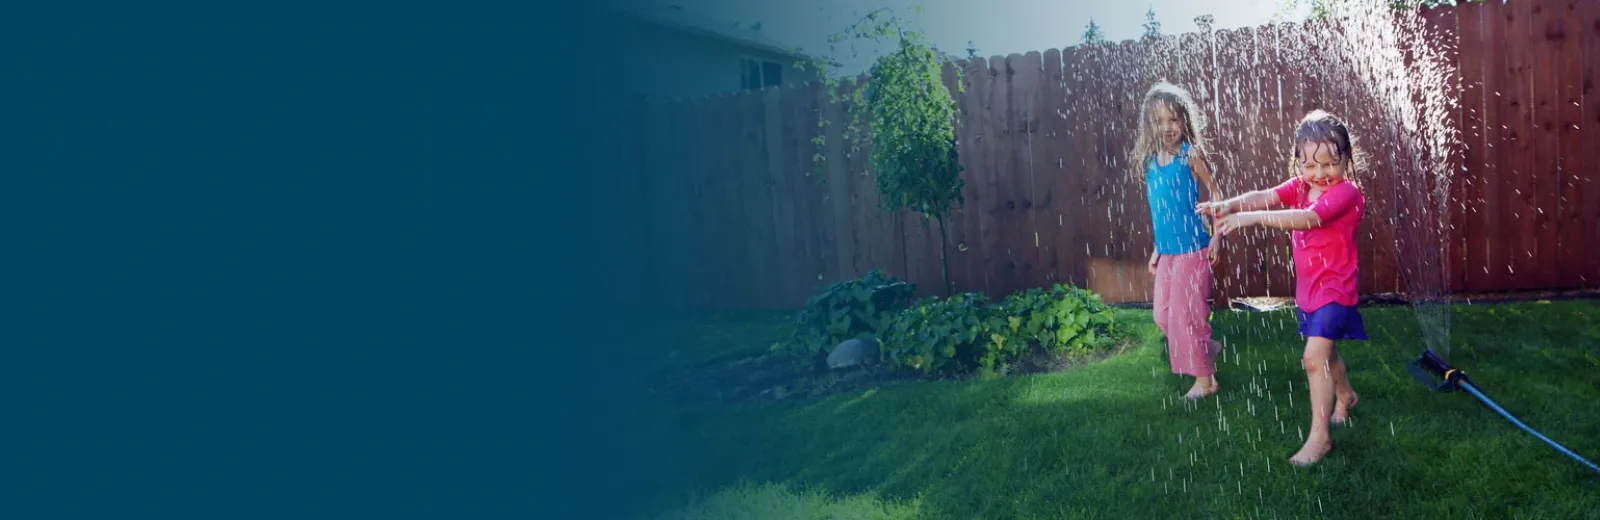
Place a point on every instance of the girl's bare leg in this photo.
(1345, 396)
(1319, 375)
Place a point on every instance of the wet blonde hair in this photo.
(1190, 117)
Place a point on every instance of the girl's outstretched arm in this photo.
(1253, 201)
(1338, 200)
(1285, 219)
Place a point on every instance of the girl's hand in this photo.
(1153, 259)
(1213, 209)
(1234, 222)
(1215, 249)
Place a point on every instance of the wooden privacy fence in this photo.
(737, 218)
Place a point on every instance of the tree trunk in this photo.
(944, 264)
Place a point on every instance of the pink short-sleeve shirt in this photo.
(1325, 257)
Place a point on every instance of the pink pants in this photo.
(1183, 283)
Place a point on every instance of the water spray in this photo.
(1451, 379)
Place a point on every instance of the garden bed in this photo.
(757, 378)
(868, 332)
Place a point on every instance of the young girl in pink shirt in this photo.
(1324, 208)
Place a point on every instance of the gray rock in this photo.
(853, 352)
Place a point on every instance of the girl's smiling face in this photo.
(1164, 121)
(1320, 167)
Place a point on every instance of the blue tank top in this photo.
(1173, 194)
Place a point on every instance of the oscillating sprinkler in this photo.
(1451, 379)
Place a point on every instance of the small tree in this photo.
(909, 119)
(1092, 34)
(1152, 28)
(912, 120)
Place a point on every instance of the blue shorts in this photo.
(1333, 321)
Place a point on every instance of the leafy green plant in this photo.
(943, 336)
(1063, 318)
(966, 332)
(859, 308)
(908, 116)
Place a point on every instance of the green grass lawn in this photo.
(1110, 440)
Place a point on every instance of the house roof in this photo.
(677, 18)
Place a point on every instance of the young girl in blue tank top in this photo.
(1169, 156)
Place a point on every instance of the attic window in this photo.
(755, 73)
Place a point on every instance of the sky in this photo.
(995, 27)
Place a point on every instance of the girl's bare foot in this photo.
(1342, 406)
(1207, 386)
(1316, 447)
(1202, 388)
